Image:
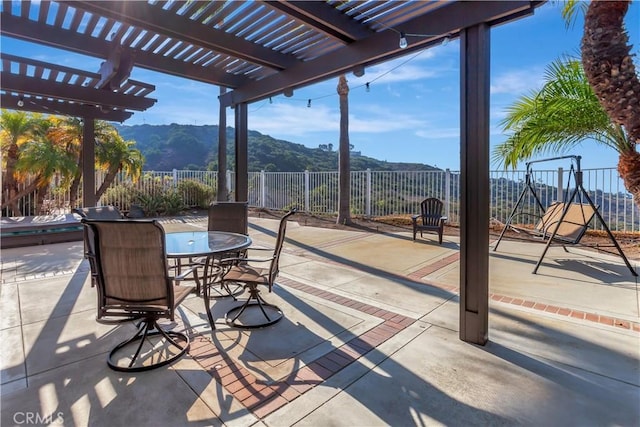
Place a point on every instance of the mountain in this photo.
(175, 146)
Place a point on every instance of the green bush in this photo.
(196, 194)
(151, 203)
(121, 196)
(172, 203)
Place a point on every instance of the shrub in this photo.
(196, 194)
(121, 196)
(151, 203)
(172, 203)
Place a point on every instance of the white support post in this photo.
(263, 189)
(368, 195)
(307, 191)
(447, 193)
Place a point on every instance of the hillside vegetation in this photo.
(174, 146)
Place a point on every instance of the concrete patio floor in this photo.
(369, 338)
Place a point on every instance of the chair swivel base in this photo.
(224, 291)
(271, 312)
(147, 330)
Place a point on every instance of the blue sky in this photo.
(411, 111)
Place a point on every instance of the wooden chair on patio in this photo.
(130, 271)
(430, 219)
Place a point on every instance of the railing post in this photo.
(307, 191)
(560, 195)
(447, 193)
(368, 195)
(263, 189)
(175, 178)
(228, 183)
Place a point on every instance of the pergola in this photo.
(258, 49)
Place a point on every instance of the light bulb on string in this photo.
(367, 87)
(403, 41)
(309, 103)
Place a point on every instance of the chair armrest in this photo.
(238, 259)
(192, 269)
(259, 249)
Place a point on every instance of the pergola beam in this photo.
(85, 95)
(145, 15)
(323, 18)
(25, 29)
(63, 108)
(446, 20)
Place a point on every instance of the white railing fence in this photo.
(376, 193)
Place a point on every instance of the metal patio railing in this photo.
(381, 193)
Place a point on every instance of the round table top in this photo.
(202, 243)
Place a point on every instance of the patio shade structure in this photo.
(259, 49)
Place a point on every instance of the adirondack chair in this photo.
(430, 218)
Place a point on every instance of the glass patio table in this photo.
(210, 245)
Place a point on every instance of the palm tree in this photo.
(113, 155)
(69, 133)
(344, 214)
(609, 68)
(16, 128)
(43, 158)
(561, 115)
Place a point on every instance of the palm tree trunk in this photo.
(10, 185)
(13, 200)
(108, 180)
(608, 65)
(629, 170)
(344, 169)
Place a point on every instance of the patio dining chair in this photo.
(133, 283)
(243, 270)
(430, 218)
(231, 217)
(95, 212)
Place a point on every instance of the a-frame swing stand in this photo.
(578, 193)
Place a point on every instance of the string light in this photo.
(21, 101)
(289, 92)
(403, 41)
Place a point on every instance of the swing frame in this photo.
(556, 222)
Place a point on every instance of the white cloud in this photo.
(517, 82)
(286, 120)
(438, 133)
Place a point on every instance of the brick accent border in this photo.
(562, 311)
(263, 399)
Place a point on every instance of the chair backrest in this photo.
(274, 268)
(99, 212)
(574, 224)
(96, 212)
(131, 269)
(431, 211)
(231, 217)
